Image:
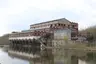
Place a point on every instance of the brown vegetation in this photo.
(91, 30)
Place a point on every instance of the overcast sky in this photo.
(16, 15)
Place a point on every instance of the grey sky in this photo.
(16, 15)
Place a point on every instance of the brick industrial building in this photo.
(60, 28)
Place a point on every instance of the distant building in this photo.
(61, 29)
(40, 29)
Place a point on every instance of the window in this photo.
(58, 24)
(73, 26)
(51, 26)
(68, 26)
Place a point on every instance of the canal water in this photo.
(61, 57)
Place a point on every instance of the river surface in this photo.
(65, 57)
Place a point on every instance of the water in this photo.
(60, 57)
(6, 59)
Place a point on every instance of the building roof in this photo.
(57, 20)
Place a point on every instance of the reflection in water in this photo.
(6, 59)
(58, 56)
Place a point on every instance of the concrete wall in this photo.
(61, 34)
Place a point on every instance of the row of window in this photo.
(36, 33)
(51, 25)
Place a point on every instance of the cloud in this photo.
(16, 15)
